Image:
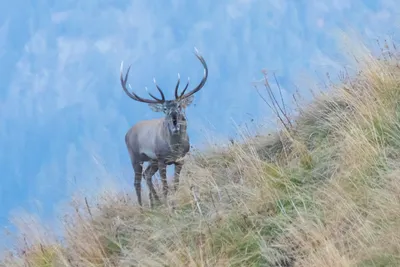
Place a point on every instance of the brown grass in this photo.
(324, 191)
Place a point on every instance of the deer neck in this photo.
(177, 138)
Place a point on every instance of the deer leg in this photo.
(178, 168)
(138, 168)
(162, 168)
(148, 175)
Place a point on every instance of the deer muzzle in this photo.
(175, 124)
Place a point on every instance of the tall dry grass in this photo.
(323, 191)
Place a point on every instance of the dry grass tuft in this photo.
(323, 191)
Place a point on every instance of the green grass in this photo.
(324, 191)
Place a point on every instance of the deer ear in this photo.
(156, 107)
(187, 101)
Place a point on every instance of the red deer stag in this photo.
(162, 141)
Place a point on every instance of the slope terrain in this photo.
(322, 191)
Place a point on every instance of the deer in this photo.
(162, 141)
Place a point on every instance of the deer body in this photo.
(150, 140)
(162, 141)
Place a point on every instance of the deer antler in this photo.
(135, 96)
(203, 81)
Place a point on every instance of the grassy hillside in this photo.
(323, 191)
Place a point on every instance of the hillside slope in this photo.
(324, 191)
